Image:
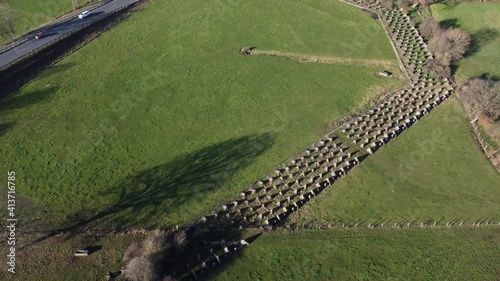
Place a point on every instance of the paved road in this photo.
(56, 31)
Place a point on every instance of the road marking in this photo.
(20, 50)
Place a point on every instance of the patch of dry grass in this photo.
(388, 64)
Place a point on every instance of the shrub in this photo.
(134, 250)
(140, 269)
(153, 244)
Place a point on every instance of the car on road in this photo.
(39, 35)
(84, 14)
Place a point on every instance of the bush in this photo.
(459, 42)
(134, 250)
(140, 269)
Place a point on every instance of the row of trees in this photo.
(447, 45)
(480, 96)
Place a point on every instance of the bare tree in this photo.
(429, 27)
(449, 45)
(481, 96)
(438, 69)
(459, 42)
(439, 46)
(140, 269)
(134, 250)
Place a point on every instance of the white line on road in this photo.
(20, 50)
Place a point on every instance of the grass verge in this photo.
(364, 254)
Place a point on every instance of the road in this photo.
(56, 31)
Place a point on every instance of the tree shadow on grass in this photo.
(26, 99)
(489, 76)
(12, 81)
(154, 193)
(449, 23)
(449, 3)
(19, 101)
(56, 68)
(480, 39)
(5, 128)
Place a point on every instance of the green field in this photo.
(433, 170)
(482, 22)
(382, 254)
(30, 14)
(161, 119)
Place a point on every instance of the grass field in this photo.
(28, 14)
(482, 22)
(433, 170)
(382, 254)
(161, 118)
(54, 260)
